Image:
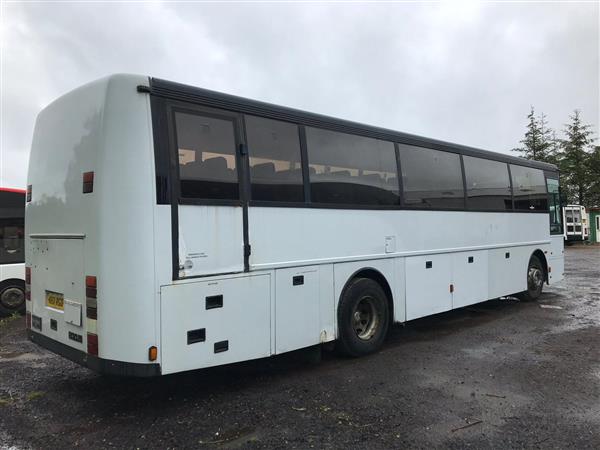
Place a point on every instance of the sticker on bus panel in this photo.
(55, 300)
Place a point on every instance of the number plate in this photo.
(55, 300)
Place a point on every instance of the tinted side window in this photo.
(275, 162)
(349, 169)
(488, 184)
(431, 178)
(529, 188)
(12, 242)
(555, 209)
(207, 152)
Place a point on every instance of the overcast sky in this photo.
(464, 71)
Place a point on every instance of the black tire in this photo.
(363, 333)
(535, 280)
(12, 297)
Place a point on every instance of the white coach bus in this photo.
(172, 228)
(12, 251)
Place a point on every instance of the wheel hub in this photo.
(535, 278)
(365, 319)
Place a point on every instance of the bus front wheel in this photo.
(363, 318)
(535, 280)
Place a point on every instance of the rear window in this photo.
(207, 156)
(431, 178)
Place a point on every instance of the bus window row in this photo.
(344, 169)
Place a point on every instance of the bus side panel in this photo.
(215, 321)
(297, 305)
(469, 278)
(428, 280)
(508, 270)
(556, 260)
(12, 271)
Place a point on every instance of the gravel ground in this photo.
(498, 374)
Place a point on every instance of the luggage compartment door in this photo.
(214, 322)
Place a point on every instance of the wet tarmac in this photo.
(495, 375)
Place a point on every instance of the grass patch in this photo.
(5, 321)
(35, 395)
(5, 401)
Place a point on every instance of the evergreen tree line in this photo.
(574, 153)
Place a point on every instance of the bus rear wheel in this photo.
(363, 318)
(535, 280)
(12, 297)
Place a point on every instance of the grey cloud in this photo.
(465, 73)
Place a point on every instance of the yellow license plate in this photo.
(55, 300)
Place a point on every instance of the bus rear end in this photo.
(80, 303)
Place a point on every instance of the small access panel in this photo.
(297, 322)
(428, 280)
(469, 278)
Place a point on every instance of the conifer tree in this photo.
(537, 143)
(575, 158)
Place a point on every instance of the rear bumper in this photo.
(105, 366)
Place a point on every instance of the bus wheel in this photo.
(535, 280)
(362, 318)
(12, 297)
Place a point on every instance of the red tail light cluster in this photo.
(27, 283)
(28, 198)
(88, 182)
(91, 308)
(91, 293)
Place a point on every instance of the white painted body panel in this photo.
(120, 235)
(243, 321)
(297, 236)
(556, 259)
(428, 289)
(12, 271)
(470, 279)
(210, 240)
(297, 321)
(103, 127)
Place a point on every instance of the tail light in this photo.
(28, 320)
(91, 292)
(88, 182)
(28, 193)
(27, 283)
(92, 344)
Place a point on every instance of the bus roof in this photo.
(169, 89)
